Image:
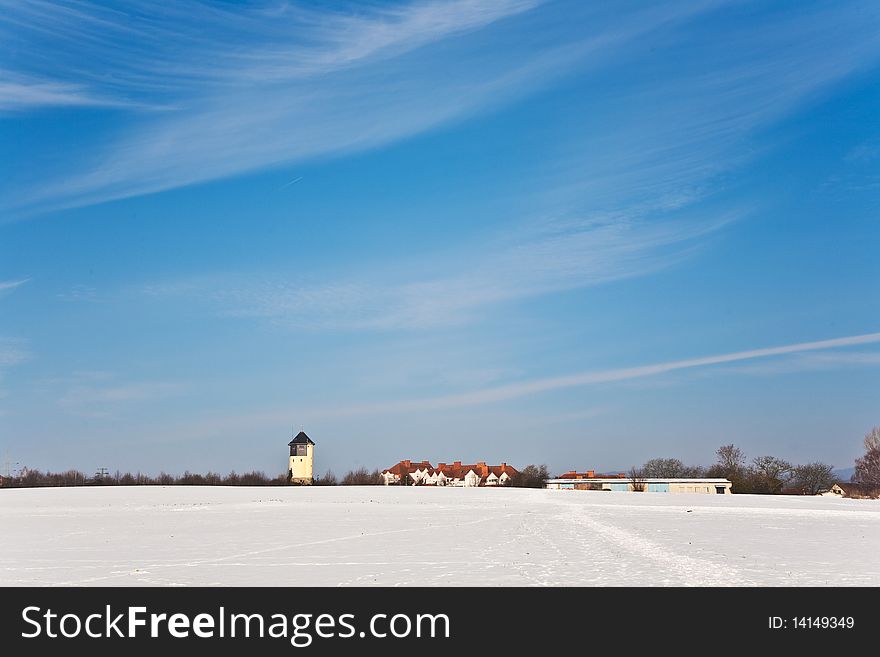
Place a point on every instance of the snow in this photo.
(358, 536)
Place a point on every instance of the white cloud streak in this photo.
(22, 95)
(13, 351)
(101, 396)
(624, 196)
(294, 85)
(810, 362)
(543, 385)
(247, 422)
(546, 257)
(172, 50)
(11, 285)
(118, 393)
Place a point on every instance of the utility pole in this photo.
(101, 473)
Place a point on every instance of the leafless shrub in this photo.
(637, 477)
(362, 477)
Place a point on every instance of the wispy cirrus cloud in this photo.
(627, 196)
(13, 351)
(98, 394)
(79, 292)
(810, 362)
(549, 384)
(705, 113)
(541, 258)
(5, 286)
(291, 83)
(25, 94)
(147, 50)
(495, 394)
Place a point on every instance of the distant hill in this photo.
(844, 474)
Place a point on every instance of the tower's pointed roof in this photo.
(301, 439)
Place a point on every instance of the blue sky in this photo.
(581, 234)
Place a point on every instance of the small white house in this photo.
(850, 489)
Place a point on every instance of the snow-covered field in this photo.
(361, 536)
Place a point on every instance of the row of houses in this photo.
(422, 473)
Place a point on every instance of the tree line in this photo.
(771, 475)
(763, 475)
(531, 476)
(33, 478)
(766, 475)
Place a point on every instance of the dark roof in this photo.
(855, 487)
(301, 439)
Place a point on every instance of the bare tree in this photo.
(671, 468)
(867, 470)
(329, 479)
(531, 476)
(254, 478)
(872, 439)
(362, 477)
(191, 479)
(731, 464)
(637, 477)
(731, 460)
(770, 474)
(813, 478)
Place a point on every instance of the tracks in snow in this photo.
(681, 569)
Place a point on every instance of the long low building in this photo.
(649, 485)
